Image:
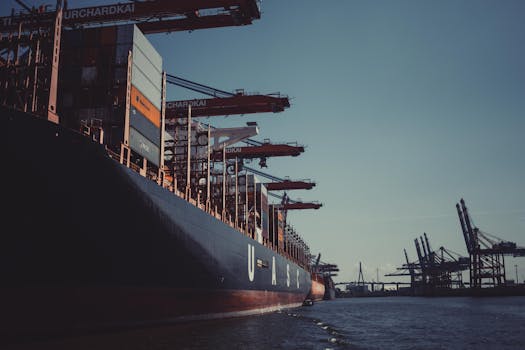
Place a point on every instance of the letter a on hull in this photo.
(251, 262)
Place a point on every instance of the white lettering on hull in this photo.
(297, 278)
(274, 274)
(287, 275)
(251, 262)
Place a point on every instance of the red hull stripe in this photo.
(47, 311)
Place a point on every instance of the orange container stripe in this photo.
(144, 106)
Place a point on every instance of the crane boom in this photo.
(279, 184)
(265, 150)
(154, 16)
(472, 237)
(289, 204)
(427, 244)
(301, 205)
(468, 243)
(410, 267)
(317, 260)
(221, 102)
(289, 185)
(424, 249)
(419, 255)
(237, 104)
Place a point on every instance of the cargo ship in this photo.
(119, 211)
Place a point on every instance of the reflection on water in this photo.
(358, 323)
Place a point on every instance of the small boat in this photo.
(308, 302)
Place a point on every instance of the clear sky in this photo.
(404, 108)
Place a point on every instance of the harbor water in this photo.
(351, 323)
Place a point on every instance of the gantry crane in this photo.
(225, 103)
(279, 184)
(30, 40)
(487, 252)
(152, 16)
(433, 269)
(221, 103)
(437, 267)
(409, 268)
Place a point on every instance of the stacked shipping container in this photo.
(88, 96)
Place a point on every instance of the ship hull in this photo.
(318, 288)
(91, 244)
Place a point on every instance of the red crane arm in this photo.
(182, 24)
(289, 185)
(182, 14)
(238, 104)
(265, 150)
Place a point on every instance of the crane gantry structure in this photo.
(225, 150)
(30, 40)
(220, 102)
(487, 252)
(151, 16)
(485, 263)
(441, 269)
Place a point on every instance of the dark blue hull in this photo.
(88, 243)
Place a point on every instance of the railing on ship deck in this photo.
(212, 211)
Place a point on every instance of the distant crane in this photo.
(437, 267)
(487, 252)
(433, 269)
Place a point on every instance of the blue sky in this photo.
(404, 107)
